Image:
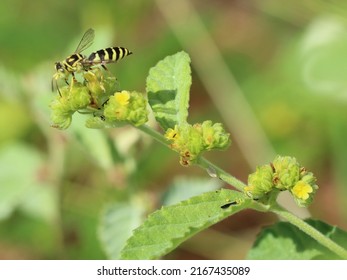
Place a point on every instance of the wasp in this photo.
(78, 62)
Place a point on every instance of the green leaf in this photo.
(117, 222)
(168, 227)
(168, 85)
(284, 241)
(20, 187)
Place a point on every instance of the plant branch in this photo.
(220, 173)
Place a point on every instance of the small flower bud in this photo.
(72, 99)
(214, 136)
(287, 171)
(100, 86)
(260, 182)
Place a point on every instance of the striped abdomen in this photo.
(107, 55)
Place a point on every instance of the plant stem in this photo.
(311, 231)
(202, 162)
(155, 134)
(220, 173)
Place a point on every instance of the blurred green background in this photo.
(274, 72)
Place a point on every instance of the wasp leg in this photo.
(106, 69)
(73, 77)
(56, 85)
(58, 89)
(73, 80)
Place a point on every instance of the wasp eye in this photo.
(58, 66)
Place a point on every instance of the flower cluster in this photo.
(284, 173)
(191, 140)
(98, 95)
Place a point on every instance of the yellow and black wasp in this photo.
(78, 62)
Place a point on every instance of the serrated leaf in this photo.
(116, 225)
(168, 227)
(168, 85)
(284, 241)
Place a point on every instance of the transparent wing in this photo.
(86, 41)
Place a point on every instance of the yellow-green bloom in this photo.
(126, 107)
(172, 133)
(284, 173)
(122, 97)
(302, 190)
(192, 140)
(305, 189)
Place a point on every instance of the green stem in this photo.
(220, 173)
(155, 134)
(311, 231)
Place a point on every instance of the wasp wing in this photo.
(86, 41)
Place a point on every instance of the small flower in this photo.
(122, 97)
(126, 107)
(305, 189)
(172, 134)
(302, 190)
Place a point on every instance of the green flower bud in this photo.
(126, 107)
(214, 136)
(260, 182)
(79, 97)
(287, 172)
(60, 119)
(100, 86)
(73, 98)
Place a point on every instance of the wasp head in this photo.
(59, 67)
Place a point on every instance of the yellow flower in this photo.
(122, 97)
(172, 134)
(302, 190)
